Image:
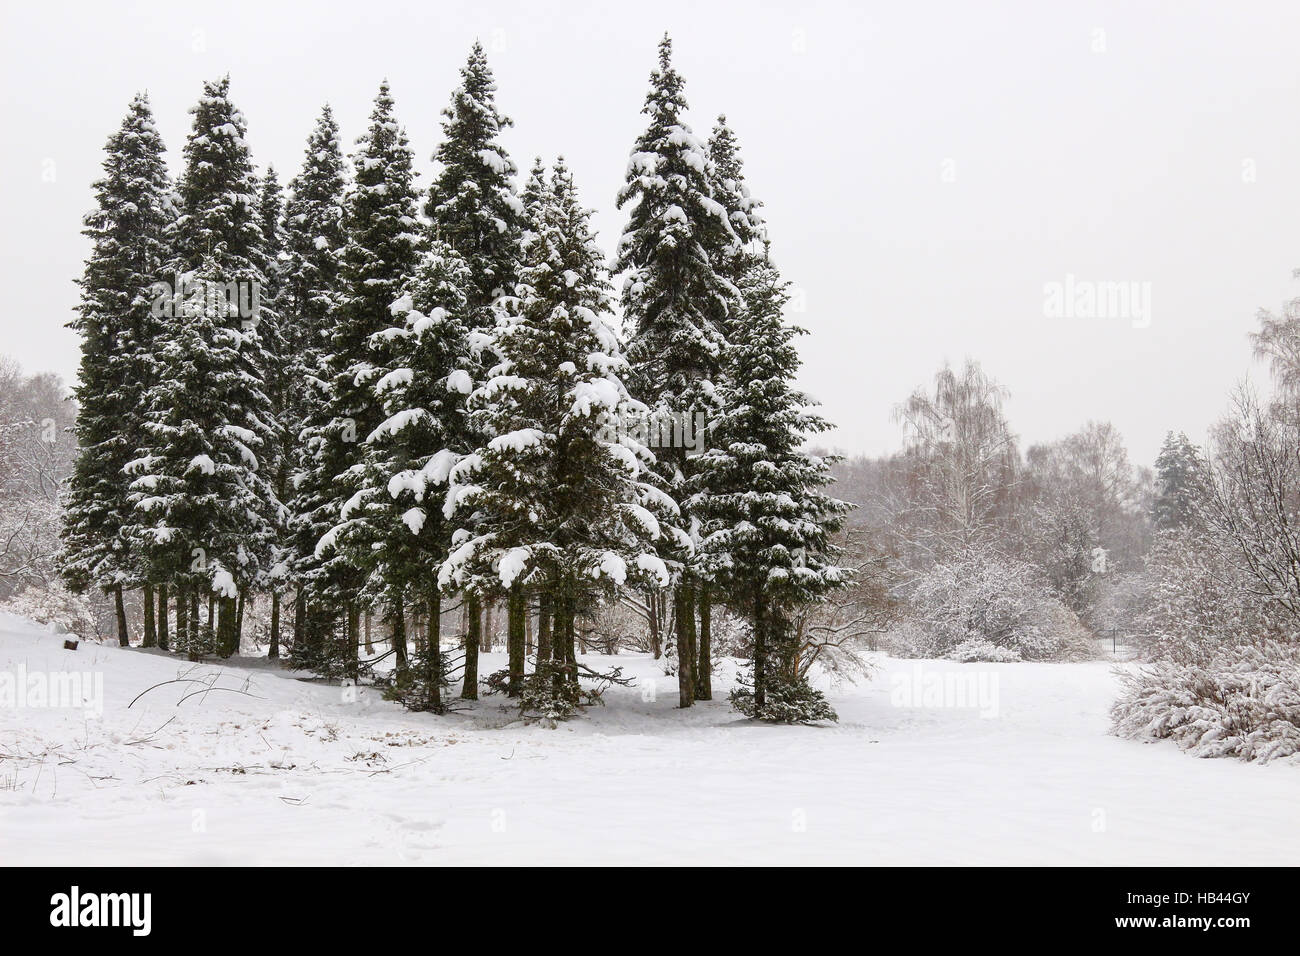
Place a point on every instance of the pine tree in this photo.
(394, 527)
(766, 520)
(676, 303)
(129, 234)
(205, 507)
(556, 494)
(381, 251)
(472, 207)
(313, 248)
(731, 259)
(472, 204)
(1178, 470)
(731, 256)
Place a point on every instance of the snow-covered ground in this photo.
(293, 772)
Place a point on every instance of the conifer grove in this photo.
(383, 415)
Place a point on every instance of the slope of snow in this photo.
(260, 767)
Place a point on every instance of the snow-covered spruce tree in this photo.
(731, 257)
(766, 519)
(128, 230)
(472, 204)
(206, 510)
(556, 500)
(394, 526)
(676, 304)
(381, 251)
(472, 207)
(279, 376)
(1178, 470)
(313, 248)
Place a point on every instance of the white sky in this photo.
(1122, 165)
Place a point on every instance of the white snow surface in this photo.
(265, 768)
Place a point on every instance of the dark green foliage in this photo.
(129, 231)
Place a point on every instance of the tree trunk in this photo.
(760, 654)
(228, 627)
(150, 634)
(704, 666)
(164, 640)
(200, 638)
(569, 646)
(273, 651)
(370, 647)
(433, 650)
(352, 641)
(652, 615)
(398, 612)
(517, 611)
(123, 638)
(182, 621)
(684, 619)
(486, 635)
(473, 636)
(544, 650)
(299, 618)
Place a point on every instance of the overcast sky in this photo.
(927, 169)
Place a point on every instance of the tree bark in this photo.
(228, 627)
(182, 621)
(473, 635)
(398, 613)
(544, 650)
(516, 611)
(530, 631)
(433, 650)
(150, 634)
(684, 620)
(273, 651)
(200, 638)
(570, 635)
(652, 615)
(164, 639)
(704, 666)
(299, 618)
(123, 638)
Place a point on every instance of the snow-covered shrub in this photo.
(987, 599)
(787, 700)
(53, 605)
(1192, 599)
(1235, 700)
(981, 650)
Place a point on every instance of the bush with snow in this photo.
(981, 650)
(56, 607)
(1239, 701)
(985, 606)
(787, 699)
(1193, 598)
